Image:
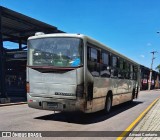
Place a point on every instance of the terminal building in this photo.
(16, 28)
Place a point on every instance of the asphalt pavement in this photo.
(22, 118)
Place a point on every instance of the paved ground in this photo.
(23, 118)
(148, 126)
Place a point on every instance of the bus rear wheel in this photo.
(133, 94)
(108, 104)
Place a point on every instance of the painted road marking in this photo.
(134, 123)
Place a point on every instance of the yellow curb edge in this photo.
(136, 121)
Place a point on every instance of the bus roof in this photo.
(89, 39)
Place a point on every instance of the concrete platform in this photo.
(149, 127)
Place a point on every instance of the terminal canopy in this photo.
(16, 27)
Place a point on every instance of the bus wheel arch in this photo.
(108, 102)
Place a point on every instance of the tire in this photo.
(108, 104)
(133, 95)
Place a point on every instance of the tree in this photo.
(158, 68)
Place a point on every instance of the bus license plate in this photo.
(52, 105)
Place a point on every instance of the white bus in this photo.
(72, 72)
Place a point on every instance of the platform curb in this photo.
(10, 104)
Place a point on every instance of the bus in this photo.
(73, 72)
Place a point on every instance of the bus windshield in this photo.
(57, 51)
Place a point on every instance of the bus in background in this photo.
(72, 72)
(145, 72)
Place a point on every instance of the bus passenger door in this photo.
(92, 71)
(89, 95)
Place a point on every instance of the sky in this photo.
(127, 26)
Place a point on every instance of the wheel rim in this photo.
(108, 107)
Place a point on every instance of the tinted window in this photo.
(93, 61)
(114, 68)
(114, 61)
(131, 72)
(121, 64)
(126, 70)
(135, 70)
(93, 54)
(104, 66)
(105, 58)
(121, 70)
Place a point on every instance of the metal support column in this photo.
(2, 63)
(150, 74)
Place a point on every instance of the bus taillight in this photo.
(27, 87)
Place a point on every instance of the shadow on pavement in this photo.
(81, 118)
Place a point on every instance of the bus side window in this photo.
(93, 61)
(104, 66)
(131, 72)
(121, 71)
(126, 70)
(114, 67)
(135, 70)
